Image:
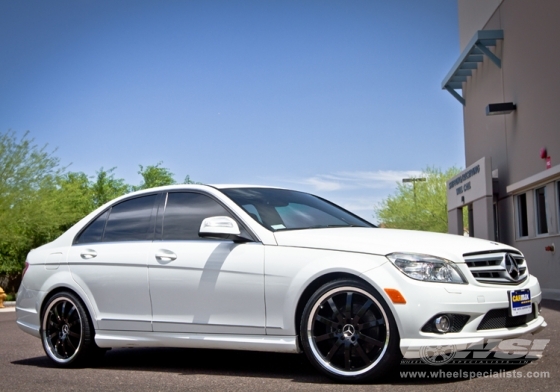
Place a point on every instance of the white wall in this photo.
(473, 15)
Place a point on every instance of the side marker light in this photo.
(395, 296)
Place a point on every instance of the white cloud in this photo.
(322, 184)
(381, 179)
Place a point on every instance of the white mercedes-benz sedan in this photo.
(268, 269)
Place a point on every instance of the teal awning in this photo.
(473, 54)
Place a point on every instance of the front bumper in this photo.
(412, 348)
(424, 300)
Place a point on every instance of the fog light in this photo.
(442, 324)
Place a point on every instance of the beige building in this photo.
(507, 78)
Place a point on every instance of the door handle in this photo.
(165, 256)
(88, 254)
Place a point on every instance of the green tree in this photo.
(420, 205)
(73, 196)
(155, 175)
(189, 181)
(28, 215)
(106, 187)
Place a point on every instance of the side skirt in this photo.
(116, 339)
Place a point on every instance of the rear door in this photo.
(108, 261)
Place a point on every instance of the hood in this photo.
(385, 241)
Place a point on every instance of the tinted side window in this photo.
(185, 212)
(94, 232)
(130, 220)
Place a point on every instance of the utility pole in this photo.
(414, 180)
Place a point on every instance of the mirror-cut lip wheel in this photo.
(348, 331)
(62, 329)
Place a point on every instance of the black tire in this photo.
(348, 332)
(67, 332)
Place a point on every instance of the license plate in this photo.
(520, 302)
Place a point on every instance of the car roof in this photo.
(226, 186)
(196, 187)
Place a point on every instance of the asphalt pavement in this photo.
(24, 367)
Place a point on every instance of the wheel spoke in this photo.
(74, 334)
(71, 346)
(57, 347)
(71, 311)
(348, 310)
(335, 310)
(54, 340)
(369, 324)
(334, 349)
(325, 320)
(370, 340)
(326, 336)
(53, 317)
(361, 353)
(63, 309)
(75, 322)
(347, 361)
(55, 310)
(65, 349)
(362, 311)
(52, 324)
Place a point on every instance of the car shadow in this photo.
(196, 362)
(551, 304)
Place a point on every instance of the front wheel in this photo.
(67, 332)
(348, 332)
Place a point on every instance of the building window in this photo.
(558, 205)
(542, 225)
(523, 227)
(470, 214)
(496, 220)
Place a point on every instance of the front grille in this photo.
(457, 322)
(500, 267)
(500, 318)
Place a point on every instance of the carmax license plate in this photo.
(520, 302)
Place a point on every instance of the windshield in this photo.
(282, 209)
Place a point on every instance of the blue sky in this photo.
(339, 98)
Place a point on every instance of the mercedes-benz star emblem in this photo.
(348, 331)
(511, 266)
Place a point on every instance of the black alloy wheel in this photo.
(67, 332)
(349, 333)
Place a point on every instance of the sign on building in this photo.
(471, 184)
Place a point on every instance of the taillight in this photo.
(25, 269)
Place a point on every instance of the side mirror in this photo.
(221, 227)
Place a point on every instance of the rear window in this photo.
(127, 221)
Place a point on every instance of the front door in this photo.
(201, 285)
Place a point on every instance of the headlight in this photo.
(427, 268)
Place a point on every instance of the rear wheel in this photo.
(349, 333)
(67, 332)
